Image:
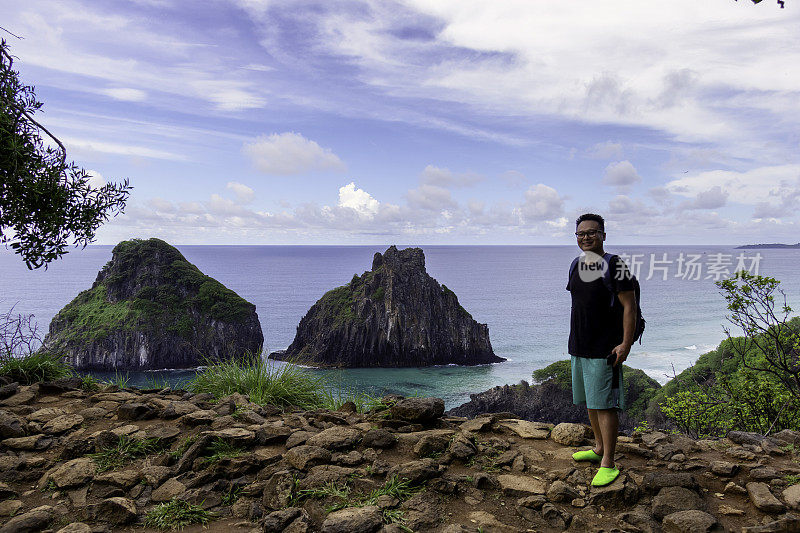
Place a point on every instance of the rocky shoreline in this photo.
(258, 468)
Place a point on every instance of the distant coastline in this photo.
(766, 246)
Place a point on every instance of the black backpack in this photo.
(609, 284)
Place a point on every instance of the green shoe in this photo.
(587, 455)
(605, 476)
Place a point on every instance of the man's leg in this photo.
(598, 431)
(608, 421)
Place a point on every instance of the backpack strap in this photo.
(572, 268)
(607, 279)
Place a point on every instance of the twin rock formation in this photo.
(149, 308)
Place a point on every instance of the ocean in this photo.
(519, 291)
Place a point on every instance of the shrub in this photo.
(749, 383)
(560, 372)
(767, 331)
(694, 413)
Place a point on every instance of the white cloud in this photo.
(161, 205)
(96, 180)
(290, 153)
(687, 72)
(125, 94)
(444, 177)
(712, 198)
(542, 203)
(622, 204)
(218, 205)
(513, 178)
(621, 174)
(244, 194)
(88, 145)
(605, 150)
(359, 200)
(430, 197)
(229, 95)
(762, 184)
(134, 52)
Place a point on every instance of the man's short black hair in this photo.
(592, 216)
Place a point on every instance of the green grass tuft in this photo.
(178, 452)
(342, 497)
(230, 497)
(221, 449)
(124, 452)
(89, 383)
(264, 382)
(120, 380)
(35, 368)
(176, 514)
(157, 381)
(283, 384)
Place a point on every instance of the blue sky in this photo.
(426, 122)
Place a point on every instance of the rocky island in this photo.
(149, 308)
(767, 246)
(394, 315)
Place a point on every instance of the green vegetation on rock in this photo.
(125, 451)
(177, 514)
(149, 285)
(340, 304)
(560, 372)
(340, 496)
(92, 317)
(451, 294)
(639, 387)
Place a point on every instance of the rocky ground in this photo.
(78, 461)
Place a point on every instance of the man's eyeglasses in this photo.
(590, 233)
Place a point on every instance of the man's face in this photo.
(590, 238)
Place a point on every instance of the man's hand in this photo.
(621, 351)
(628, 301)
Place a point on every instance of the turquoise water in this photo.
(517, 290)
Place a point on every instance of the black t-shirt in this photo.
(596, 325)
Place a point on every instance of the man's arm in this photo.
(628, 301)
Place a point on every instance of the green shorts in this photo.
(596, 384)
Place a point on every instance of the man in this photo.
(600, 338)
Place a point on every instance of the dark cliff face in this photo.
(395, 315)
(149, 308)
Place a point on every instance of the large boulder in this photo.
(395, 315)
(150, 308)
(418, 409)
